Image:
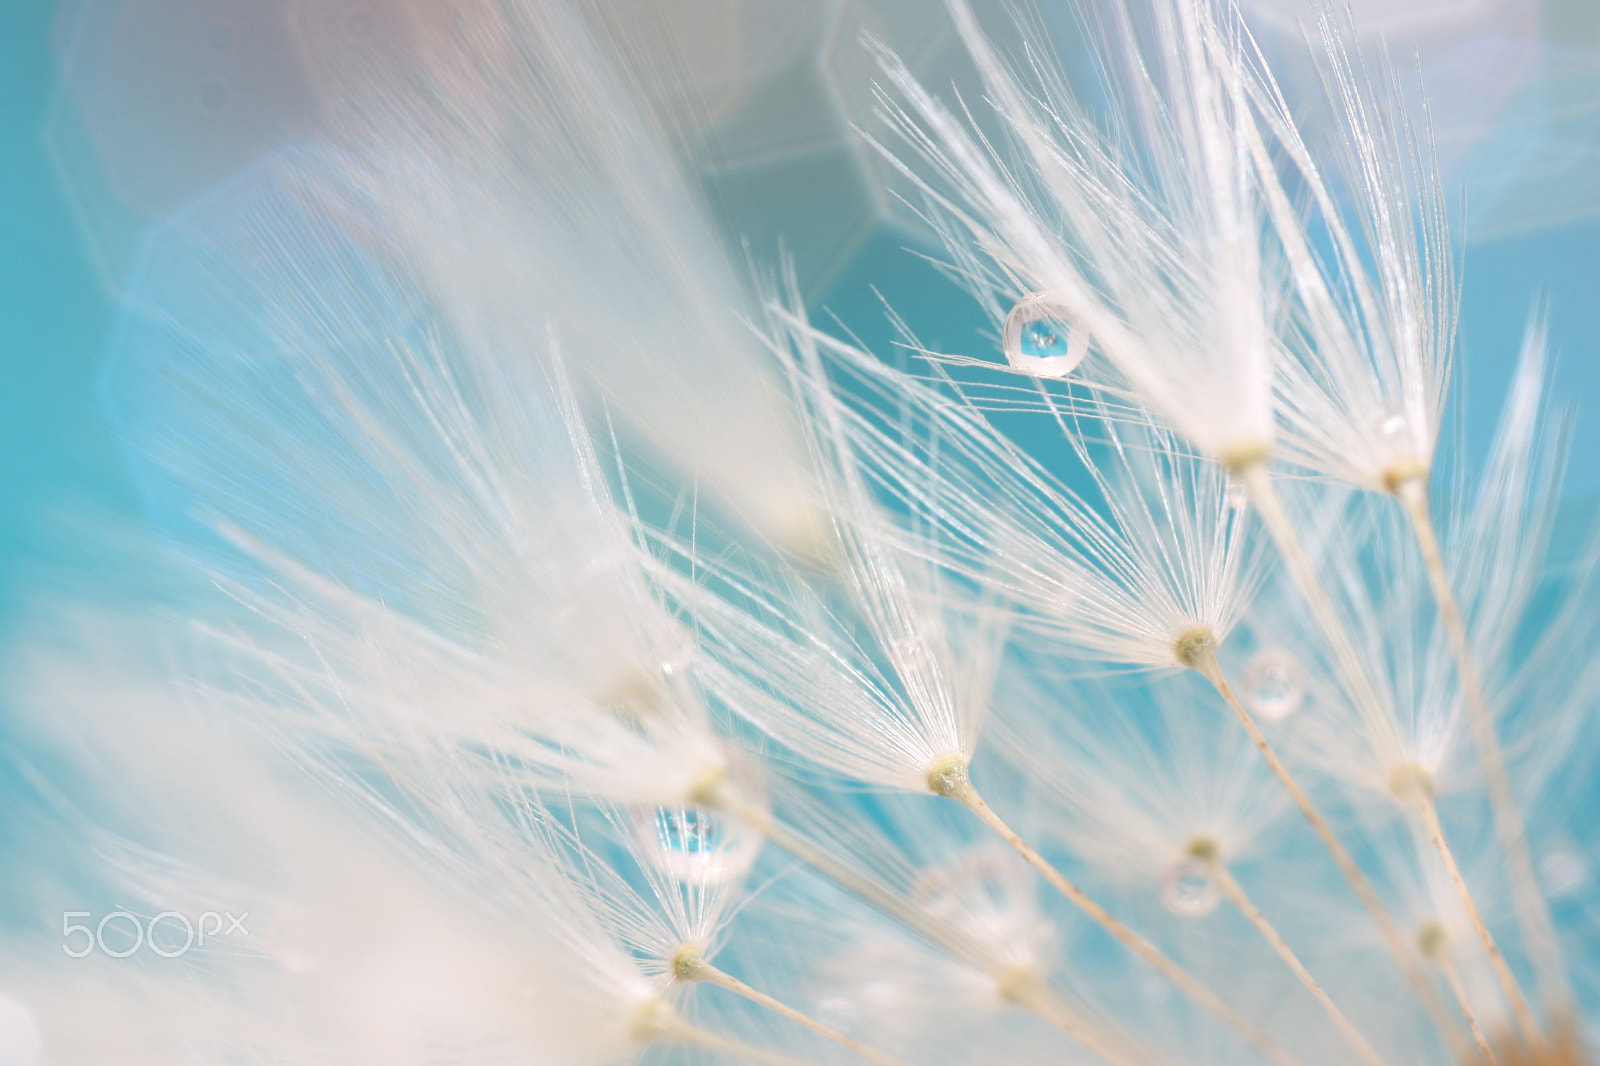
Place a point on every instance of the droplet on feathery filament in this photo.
(1188, 889)
(986, 890)
(696, 846)
(1391, 424)
(1563, 871)
(1236, 493)
(1274, 684)
(1037, 340)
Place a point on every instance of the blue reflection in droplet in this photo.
(1043, 338)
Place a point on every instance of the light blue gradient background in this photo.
(59, 455)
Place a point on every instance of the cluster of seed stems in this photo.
(1197, 650)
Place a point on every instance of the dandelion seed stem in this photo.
(949, 778)
(1437, 948)
(1423, 799)
(1236, 895)
(1533, 912)
(1268, 505)
(1032, 995)
(690, 965)
(727, 799)
(658, 1023)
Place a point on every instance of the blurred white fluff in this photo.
(858, 674)
(371, 936)
(451, 727)
(448, 564)
(518, 175)
(970, 979)
(1147, 236)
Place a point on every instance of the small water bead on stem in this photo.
(1412, 784)
(948, 777)
(1197, 650)
(1019, 985)
(991, 891)
(1188, 889)
(1410, 488)
(1037, 339)
(1219, 881)
(1274, 684)
(1236, 493)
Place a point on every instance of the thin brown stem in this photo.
(1270, 508)
(1240, 899)
(1519, 1006)
(949, 778)
(690, 965)
(1452, 977)
(1533, 912)
(1024, 988)
(940, 934)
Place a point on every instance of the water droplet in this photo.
(677, 653)
(213, 97)
(910, 653)
(1391, 425)
(1236, 493)
(1037, 341)
(1274, 684)
(1563, 871)
(220, 35)
(1187, 889)
(988, 891)
(696, 846)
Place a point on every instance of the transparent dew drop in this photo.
(986, 890)
(1187, 889)
(1037, 341)
(1563, 871)
(910, 653)
(1391, 425)
(677, 654)
(695, 846)
(1236, 493)
(1274, 684)
(1394, 433)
